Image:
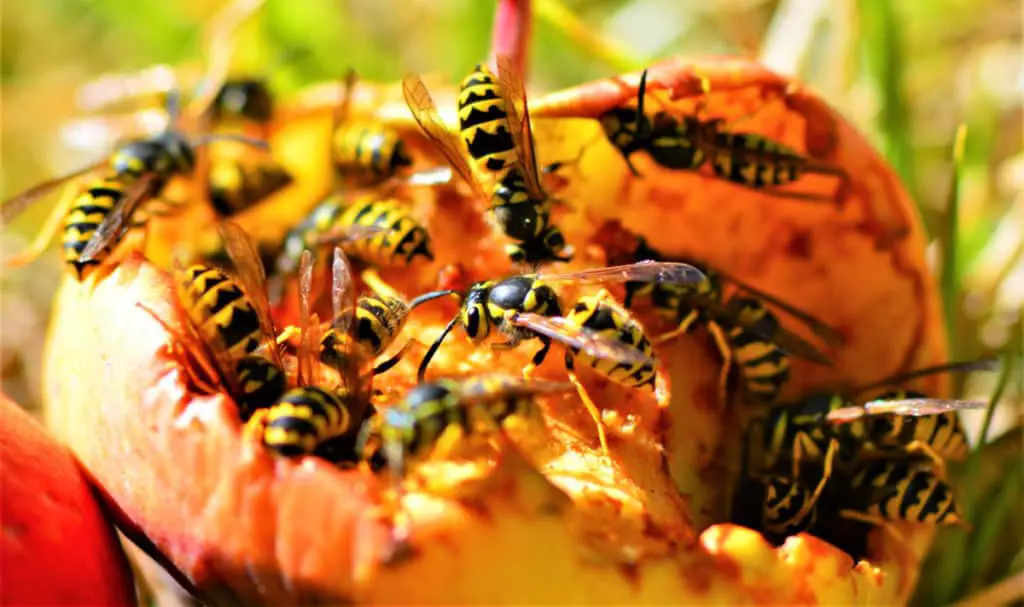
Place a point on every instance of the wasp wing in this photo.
(788, 342)
(498, 385)
(827, 333)
(346, 234)
(116, 222)
(423, 109)
(253, 278)
(307, 349)
(343, 294)
(12, 207)
(643, 271)
(518, 116)
(914, 407)
(595, 344)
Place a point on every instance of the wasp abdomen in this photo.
(302, 419)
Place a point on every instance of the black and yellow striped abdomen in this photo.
(378, 321)
(754, 160)
(411, 429)
(85, 215)
(763, 366)
(911, 492)
(302, 419)
(483, 122)
(413, 426)
(942, 432)
(401, 241)
(260, 384)
(368, 152)
(607, 319)
(220, 311)
(238, 184)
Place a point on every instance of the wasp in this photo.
(498, 135)
(98, 216)
(893, 424)
(900, 490)
(376, 320)
(411, 429)
(228, 322)
(380, 232)
(780, 505)
(368, 153)
(597, 332)
(690, 142)
(747, 334)
(309, 414)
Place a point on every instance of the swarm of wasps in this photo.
(824, 457)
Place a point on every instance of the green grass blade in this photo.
(882, 47)
(949, 276)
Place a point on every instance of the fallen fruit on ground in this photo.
(553, 521)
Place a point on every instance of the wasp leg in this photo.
(799, 442)
(391, 362)
(632, 167)
(178, 351)
(538, 358)
(825, 475)
(726, 351)
(923, 448)
(683, 328)
(48, 231)
(592, 409)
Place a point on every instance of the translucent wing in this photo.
(190, 336)
(798, 346)
(984, 364)
(593, 343)
(353, 233)
(422, 106)
(643, 271)
(489, 386)
(914, 407)
(307, 348)
(253, 278)
(12, 207)
(116, 222)
(518, 112)
(827, 333)
(343, 304)
(343, 294)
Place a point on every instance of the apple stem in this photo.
(511, 33)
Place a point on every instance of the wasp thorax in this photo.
(249, 98)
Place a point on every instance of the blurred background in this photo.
(908, 73)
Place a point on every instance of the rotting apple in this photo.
(243, 527)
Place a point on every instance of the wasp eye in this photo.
(473, 323)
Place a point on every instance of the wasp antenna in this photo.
(422, 299)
